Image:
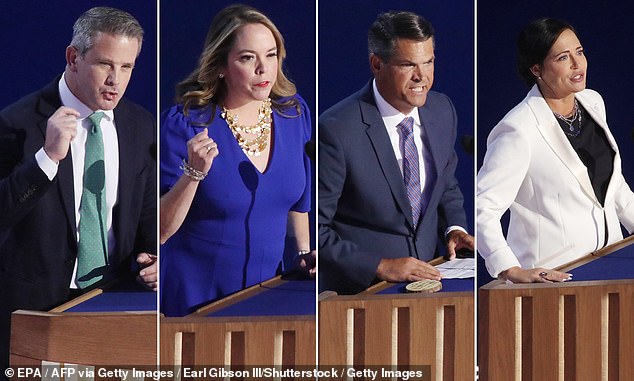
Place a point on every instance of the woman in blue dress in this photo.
(233, 167)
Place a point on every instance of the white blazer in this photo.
(531, 168)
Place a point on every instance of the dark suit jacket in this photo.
(364, 212)
(38, 244)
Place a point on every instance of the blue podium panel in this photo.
(295, 297)
(448, 285)
(616, 265)
(124, 296)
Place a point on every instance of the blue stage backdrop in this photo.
(184, 26)
(344, 64)
(607, 43)
(35, 35)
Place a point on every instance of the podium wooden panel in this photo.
(123, 338)
(374, 329)
(237, 340)
(577, 330)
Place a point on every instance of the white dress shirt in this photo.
(77, 148)
(391, 119)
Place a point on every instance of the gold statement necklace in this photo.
(261, 130)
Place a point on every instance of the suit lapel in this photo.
(431, 133)
(125, 136)
(553, 135)
(383, 149)
(593, 107)
(49, 103)
(428, 123)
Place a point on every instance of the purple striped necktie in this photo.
(411, 170)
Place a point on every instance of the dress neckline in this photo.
(245, 157)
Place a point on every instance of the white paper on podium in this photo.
(458, 268)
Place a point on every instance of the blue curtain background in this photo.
(344, 64)
(35, 35)
(604, 32)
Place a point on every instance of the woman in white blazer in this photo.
(554, 163)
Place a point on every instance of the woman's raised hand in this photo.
(201, 151)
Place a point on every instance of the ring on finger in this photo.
(543, 274)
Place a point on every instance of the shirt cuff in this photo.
(501, 260)
(48, 166)
(454, 227)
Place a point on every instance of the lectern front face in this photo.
(106, 330)
(586, 323)
(386, 329)
(270, 324)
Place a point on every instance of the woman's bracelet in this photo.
(192, 172)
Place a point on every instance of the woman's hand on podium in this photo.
(538, 275)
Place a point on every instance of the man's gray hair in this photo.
(106, 20)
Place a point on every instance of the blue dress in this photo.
(233, 235)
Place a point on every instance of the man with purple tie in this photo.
(387, 189)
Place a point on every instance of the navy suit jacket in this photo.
(38, 244)
(364, 212)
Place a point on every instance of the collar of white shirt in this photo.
(391, 116)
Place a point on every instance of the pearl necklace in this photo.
(575, 117)
(262, 129)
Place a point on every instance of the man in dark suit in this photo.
(77, 176)
(387, 189)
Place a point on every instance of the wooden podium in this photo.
(384, 327)
(576, 330)
(250, 327)
(105, 327)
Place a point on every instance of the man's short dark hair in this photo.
(395, 25)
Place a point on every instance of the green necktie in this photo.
(92, 256)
